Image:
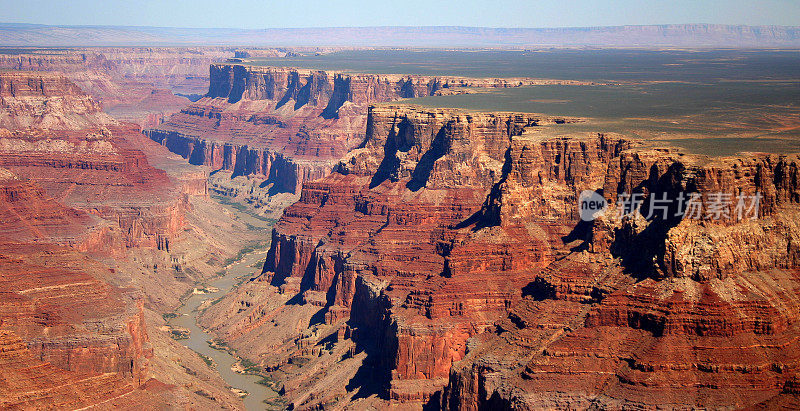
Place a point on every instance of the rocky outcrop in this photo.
(53, 387)
(370, 245)
(99, 158)
(59, 302)
(285, 173)
(99, 170)
(682, 310)
(133, 84)
(55, 221)
(448, 253)
(42, 100)
(291, 125)
(77, 326)
(55, 298)
(182, 69)
(17, 84)
(332, 89)
(82, 210)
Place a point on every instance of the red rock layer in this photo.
(388, 215)
(86, 160)
(43, 101)
(21, 201)
(66, 192)
(44, 85)
(98, 171)
(183, 69)
(59, 301)
(133, 84)
(642, 313)
(451, 244)
(290, 125)
(30, 383)
(332, 89)
(79, 328)
(97, 168)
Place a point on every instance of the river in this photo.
(197, 341)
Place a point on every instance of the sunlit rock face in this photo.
(290, 125)
(142, 85)
(449, 248)
(78, 196)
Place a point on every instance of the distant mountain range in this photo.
(678, 35)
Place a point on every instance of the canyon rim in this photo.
(416, 217)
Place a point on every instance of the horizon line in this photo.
(2, 23)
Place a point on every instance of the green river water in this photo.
(198, 339)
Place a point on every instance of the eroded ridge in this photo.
(445, 262)
(292, 125)
(86, 223)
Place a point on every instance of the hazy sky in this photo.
(255, 14)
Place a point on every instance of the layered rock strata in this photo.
(134, 84)
(46, 101)
(77, 326)
(370, 244)
(683, 311)
(82, 209)
(291, 125)
(57, 136)
(446, 256)
(181, 69)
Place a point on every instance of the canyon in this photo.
(442, 263)
(286, 126)
(143, 85)
(420, 257)
(98, 225)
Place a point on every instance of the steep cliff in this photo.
(331, 89)
(92, 237)
(133, 84)
(56, 136)
(53, 387)
(60, 303)
(181, 69)
(46, 101)
(366, 252)
(678, 309)
(99, 173)
(290, 125)
(444, 262)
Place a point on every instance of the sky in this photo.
(253, 14)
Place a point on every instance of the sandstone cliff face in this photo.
(78, 198)
(55, 298)
(32, 383)
(133, 84)
(56, 136)
(55, 221)
(331, 89)
(87, 160)
(79, 328)
(182, 69)
(644, 312)
(371, 244)
(43, 100)
(290, 125)
(447, 255)
(287, 125)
